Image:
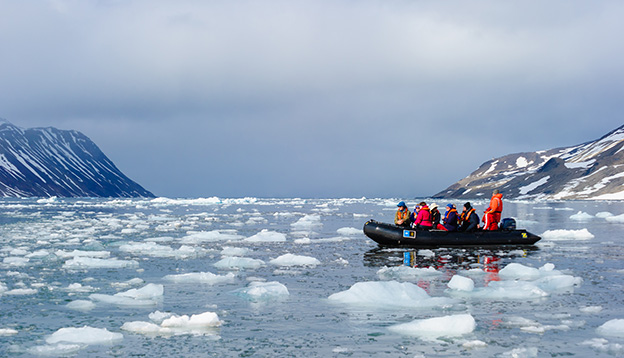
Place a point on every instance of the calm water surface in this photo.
(33, 235)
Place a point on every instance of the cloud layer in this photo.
(312, 98)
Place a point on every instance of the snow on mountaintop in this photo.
(593, 170)
(49, 162)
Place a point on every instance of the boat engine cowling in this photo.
(508, 224)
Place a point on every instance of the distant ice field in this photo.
(297, 277)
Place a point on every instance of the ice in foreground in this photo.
(171, 324)
(263, 291)
(389, 294)
(295, 260)
(437, 327)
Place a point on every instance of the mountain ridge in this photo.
(591, 170)
(45, 162)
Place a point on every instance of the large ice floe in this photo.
(389, 295)
(562, 235)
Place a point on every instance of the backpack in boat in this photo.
(508, 224)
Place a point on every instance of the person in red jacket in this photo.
(422, 220)
(493, 212)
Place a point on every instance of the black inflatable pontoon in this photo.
(397, 236)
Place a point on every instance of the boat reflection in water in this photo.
(449, 261)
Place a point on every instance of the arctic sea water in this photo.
(293, 277)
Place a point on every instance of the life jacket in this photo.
(466, 216)
(496, 204)
(446, 215)
(403, 214)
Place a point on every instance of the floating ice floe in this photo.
(81, 262)
(461, 283)
(155, 250)
(7, 332)
(20, 292)
(523, 352)
(307, 222)
(267, 236)
(559, 235)
(406, 273)
(591, 309)
(604, 215)
(15, 261)
(603, 345)
(81, 305)
(84, 335)
(234, 251)
(211, 236)
(78, 288)
(171, 324)
(201, 277)
(389, 294)
(295, 260)
(149, 295)
(81, 253)
(70, 340)
(615, 219)
(518, 282)
(263, 291)
(613, 328)
(348, 231)
(238, 263)
(437, 327)
(581, 216)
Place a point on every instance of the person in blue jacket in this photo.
(450, 218)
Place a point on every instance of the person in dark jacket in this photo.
(450, 219)
(435, 215)
(469, 219)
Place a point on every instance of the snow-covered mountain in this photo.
(45, 162)
(593, 170)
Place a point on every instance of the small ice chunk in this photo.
(516, 271)
(307, 222)
(171, 324)
(81, 305)
(267, 236)
(238, 263)
(234, 251)
(474, 344)
(206, 319)
(437, 327)
(21, 292)
(349, 231)
(614, 328)
(591, 309)
(7, 332)
(525, 352)
(81, 262)
(603, 214)
(295, 260)
(560, 235)
(581, 216)
(616, 219)
(263, 291)
(201, 277)
(461, 283)
(149, 295)
(84, 335)
(406, 273)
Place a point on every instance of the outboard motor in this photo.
(508, 224)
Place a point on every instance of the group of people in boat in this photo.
(427, 217)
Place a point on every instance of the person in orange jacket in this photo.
(493, 212)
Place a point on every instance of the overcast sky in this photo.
(312, 98)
